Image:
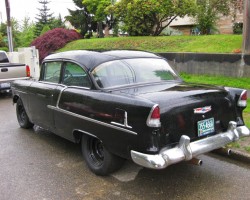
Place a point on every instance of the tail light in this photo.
(242, 102)
(27, 71)
(154, 117)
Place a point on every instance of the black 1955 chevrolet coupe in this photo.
(128, 105)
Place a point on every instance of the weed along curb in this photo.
(240, 156)
(234, 154)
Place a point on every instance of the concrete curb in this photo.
(235, 155)
(240, 156)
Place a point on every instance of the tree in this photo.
(15, 31)
(53, 40)
(150, 17)
(57, 22)
(44, 17)
(46, 28)
(208, 13)
(27, 33)
(80, 18)
(3, 45)
(99, 10)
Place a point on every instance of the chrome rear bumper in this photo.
(186, 150)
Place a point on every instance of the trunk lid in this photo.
(188, 109)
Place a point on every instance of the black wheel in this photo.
(98, 159)
(22, 117)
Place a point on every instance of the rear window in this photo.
(133, 71)
(3, 57)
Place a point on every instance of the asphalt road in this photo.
(35, 164)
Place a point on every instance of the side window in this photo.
(74, 75)
(52, 71)
(113, 73)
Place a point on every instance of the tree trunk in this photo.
(100, 30)
(106, 31)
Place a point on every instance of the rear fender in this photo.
(78, 135)
(235, 94)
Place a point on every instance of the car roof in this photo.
(91, 59)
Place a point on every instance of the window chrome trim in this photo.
(59, 96)
(90, 120)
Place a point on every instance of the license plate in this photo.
(4, 85)
(205, 127)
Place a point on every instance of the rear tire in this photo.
(22, 116)
(97, 158)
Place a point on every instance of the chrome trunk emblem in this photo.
(202, 110)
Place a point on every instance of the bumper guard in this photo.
(186, 150)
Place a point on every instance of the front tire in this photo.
(97, 158)
(22, 116)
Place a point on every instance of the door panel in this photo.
(44, 93)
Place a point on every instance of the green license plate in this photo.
(205, 127)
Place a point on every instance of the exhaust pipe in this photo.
(195, 161)
(223, 151)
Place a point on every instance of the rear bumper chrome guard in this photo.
(186, 150)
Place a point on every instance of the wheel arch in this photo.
(15, 98)
(77, 134)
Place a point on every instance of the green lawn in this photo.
(209, 43)
(217, 80)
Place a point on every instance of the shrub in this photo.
(54, 40)
(238, 28)
(4, 49)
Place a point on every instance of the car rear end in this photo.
(191, 120)
(10, 72)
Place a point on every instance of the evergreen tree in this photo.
(81, 19)
(26, 35)
(57, 22)
(44, 17)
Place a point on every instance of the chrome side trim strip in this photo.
(125, 121)
(122, 125)
(85, 132)
(90, 120)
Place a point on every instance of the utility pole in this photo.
(246, 28)
(9, 29)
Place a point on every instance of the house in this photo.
(224, 24)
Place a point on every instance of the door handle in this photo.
(4, 69)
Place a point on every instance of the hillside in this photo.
(209, 43)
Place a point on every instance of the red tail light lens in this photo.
(154, 117)
(27, 71)
(242, 102)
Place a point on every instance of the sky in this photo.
(21, 8)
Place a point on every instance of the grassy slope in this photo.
(217, 80)
(211, 43)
